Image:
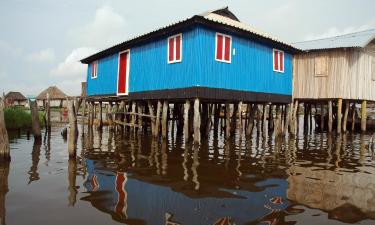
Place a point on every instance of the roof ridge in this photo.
(342, 35)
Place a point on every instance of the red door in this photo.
(122, 82)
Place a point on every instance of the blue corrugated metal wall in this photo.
(251, 68)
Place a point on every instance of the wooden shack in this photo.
(57, 97)
(209, 58)
(339, 71)
(14, 98)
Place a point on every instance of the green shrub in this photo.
(17, 118)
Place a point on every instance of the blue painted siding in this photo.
(251, 68)
(106, 81)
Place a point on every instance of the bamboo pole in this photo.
(73, 130)
(186, 120)
(363, 115)
(164, 124)
(197, 122)
(330, 119)
(158, 112)
(345, 120)
(339, 115)
(4, 141)
(35, 121)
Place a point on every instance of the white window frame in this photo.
(127, 72)
(96, 69)
(273, 61)
(174, 45)
(223, 48)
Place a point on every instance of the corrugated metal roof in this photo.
(359, 39)
(209, 16)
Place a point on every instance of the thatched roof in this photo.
(54, 94)
(15, 96)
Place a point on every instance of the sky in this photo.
(42, 41)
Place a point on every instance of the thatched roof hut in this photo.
(15, 96)
(54, 94)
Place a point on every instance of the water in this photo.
(130, 179)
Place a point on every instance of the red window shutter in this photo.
(227, 49)
(178, 47)
(219, 47)
(281, 55)
(171, 49)
(93, 69)
(275, 60)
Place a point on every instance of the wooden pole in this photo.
(186, 120)
(228, 109)
(293, 123)
(48, 114)
(209, 120)
(363, 115)
(322, 117)
(278, 123)
(288, 109)
(330, 119)
(153, 120)
(35, 121)
(197, 122)
(339, 115)
(100, 115)
(140, 119)
(264, 123)
(4, 141)
(164, 123)
(73, 130)
(158, 113)
(345, 120)
(4, 173)
(233, 119)
(133, 116)
(109, 113)
(353, 117)
(240, 129)
(250, 125)
(216, 118)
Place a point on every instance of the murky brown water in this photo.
(131, 179)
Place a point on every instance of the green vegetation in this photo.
(17, 118)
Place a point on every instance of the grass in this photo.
(19, 118)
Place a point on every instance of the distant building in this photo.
(15, 99)
(56, 96)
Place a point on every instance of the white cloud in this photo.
(106, 28)
(72, 67)
(45, 55)
(334, 31)
(9, 50)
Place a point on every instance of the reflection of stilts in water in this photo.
(227, 147)
(338, 151)
(72, 173)
(164, 157)
(156, 157)
(35, 154)
(132, 149)
(4, 173)
(122, 196)
(194, 167)
(110, 140)
(329, 149)
(47, 147)
(152, 152)
(362, 149)
(239, 155)
(184, 162)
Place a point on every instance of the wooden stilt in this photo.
(363, 115)
(322, 117)
(293, 127)
(133, 116)
(310, 118)
(240, 128)
(158, 114)
(100, 115)
(217, 109)
(186, 120)
(339, 115)
(278, 124)
(73, 130)
(270, 118)
(330, 119)
(140, 119)
(264, 123)
(204, 119)
(251, 115)
(164, 120)
(305, 117)
(209, 121)
(153, 119)
(197, 122)
(288, 109)
(35, 121)
(259, 119)
(4, 140)
(233, 124)
(228, 110)
(345, 120)
(48, 114)
(353, 116)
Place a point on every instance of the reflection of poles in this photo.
(194, 166)
(164, 157)
(72, 172)
(47, 145)
(4, 172)
(239, 156)
(4, 141)
(35, 154)
(184, 162)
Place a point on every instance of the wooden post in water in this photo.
(363, 115)
(228, 109)
(278, 123)
(353, 116)
(100, 115)
(35, 121)
(339, 115)
(158, 113)
(186, 120)
(48, 114)
(152, 114)
(293, 123)
(233, 124)
(216, 118)
(288, 109)
(73, 130)
(4, 141)
(240, 129)
(345, 120)
(330, 119)
(265, 127)
(250, 124)
(164, 124)
(110, 115)
(140, 119)
(322, 117)
(197, 122)
(4, 173)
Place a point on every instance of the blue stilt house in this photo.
(209, 56)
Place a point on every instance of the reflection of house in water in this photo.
(349, 197)
(141, 197)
